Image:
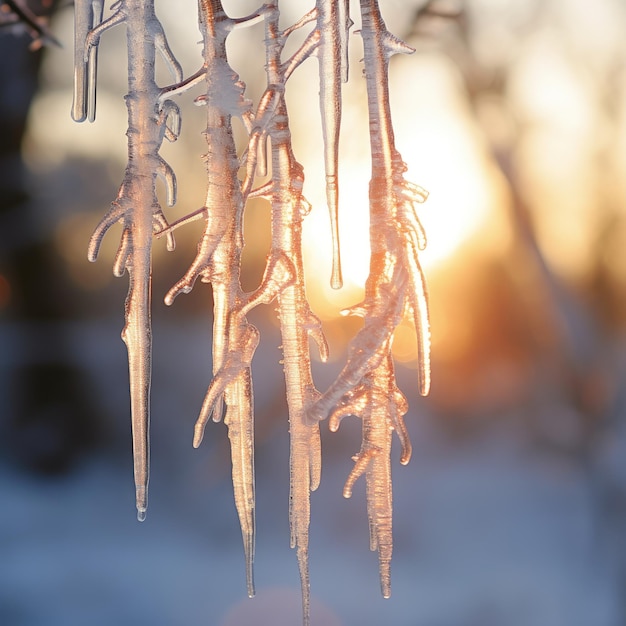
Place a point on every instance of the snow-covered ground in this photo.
(488, 531)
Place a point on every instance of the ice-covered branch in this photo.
(218, 261)
(396, 287)
(137, 205)
(184, 85)
(366, 385)
(296, 319)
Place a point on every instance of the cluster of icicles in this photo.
(366, 386)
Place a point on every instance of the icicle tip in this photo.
(141, 500)
(198, 435)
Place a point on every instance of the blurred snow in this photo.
(487, 531)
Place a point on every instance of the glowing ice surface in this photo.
(366, 386)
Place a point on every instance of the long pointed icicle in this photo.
(293, 309)
(332, 26)
(218, 261)
(142, 94)
(137, 205)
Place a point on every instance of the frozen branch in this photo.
(366, 385)
(293, 309)
(137, 205)
(218, 261)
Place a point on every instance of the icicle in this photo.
(418, 301)
(345, 23)
(88, 15)
(138, 340)
(136, 204)
(328, 41)
(332, 55)
(218, 261)
(366, 385)
(240, 423)
(379, 493)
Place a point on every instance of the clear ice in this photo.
(366, 386)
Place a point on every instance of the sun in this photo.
(457, 209)
(437, 137)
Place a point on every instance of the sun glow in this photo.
(442, 155)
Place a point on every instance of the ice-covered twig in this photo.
(369, 346)
(137, 205)
(296, 319)
(273, 94)
(306, 50)
(170, 120)
(93, 36)
(17, 13)
(381, 406)
(162, 45)
(366, 385)
(218, 261)
(279, 274)
(184, 85)
(235, 364)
